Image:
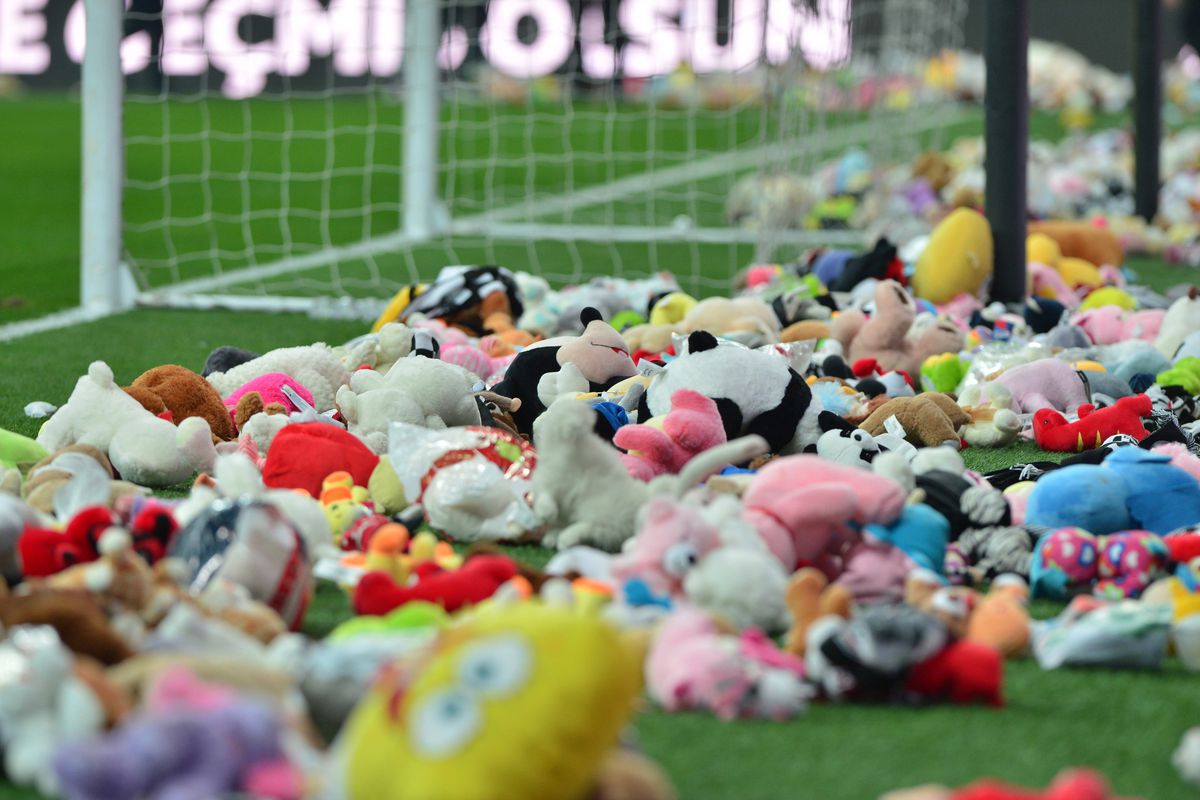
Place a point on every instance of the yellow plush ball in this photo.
(517, 701)
(671, 309)
(1041, 249)
(1108, 296)
(1077, 272)
(958, 258)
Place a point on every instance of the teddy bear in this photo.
(992, 422)
(142, 448)
(744, 319)
(1082, 240)
(317, 367)
(58, 471)
(181, 393)
(44, 705)
(692, 426)
(930, 419)
(416, 390)
(884, 336)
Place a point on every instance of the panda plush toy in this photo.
(756, 392)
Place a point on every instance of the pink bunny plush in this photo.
(672, 539)
(692, 426)
(809, 510)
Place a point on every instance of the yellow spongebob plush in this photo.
(515, 701)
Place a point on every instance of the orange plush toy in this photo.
(1083, 240)
(175, 390)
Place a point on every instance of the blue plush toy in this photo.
(921, 532)
(1133, 489)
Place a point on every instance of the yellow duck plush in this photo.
(515, 701)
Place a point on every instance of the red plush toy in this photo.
(46, 552)
(963, 672)
(1075, 784)
(475, 581)
(302, 455)
(1183, 545)
(1051, 430)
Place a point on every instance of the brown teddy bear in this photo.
(929, 419)
(46, 477)
(183, 393)
(884, 337)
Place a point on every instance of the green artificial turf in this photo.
(1123, 723)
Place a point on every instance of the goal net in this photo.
(281, 153)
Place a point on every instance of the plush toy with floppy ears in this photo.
(884, 337)
(692, 426)
(599, 353)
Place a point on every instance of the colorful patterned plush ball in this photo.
(1064, 563)
(1129, 562)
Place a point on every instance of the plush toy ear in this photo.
(829, 421)
(589, 315)
(701, 341)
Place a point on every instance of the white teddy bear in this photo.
(317, 367)
(143, 448)
(418, 391)
(42, 705)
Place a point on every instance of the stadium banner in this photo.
(247, 47)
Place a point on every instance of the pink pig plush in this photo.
(808, 510)
(692, 426)
(1111, 324)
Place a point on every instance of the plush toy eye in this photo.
(860, 437)
(443, 723)
(680, 559)
(496, 667)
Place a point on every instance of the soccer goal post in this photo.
(320, 154)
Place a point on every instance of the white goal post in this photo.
(398, 151)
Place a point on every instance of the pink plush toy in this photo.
(672, 539)
(270, 389)
(884, 336)
(470, 358)
(692, 426)
(1111, 324)
(1047, 282)
(809, 510)
(1180, 457)
(1045, 383)
(692, 666)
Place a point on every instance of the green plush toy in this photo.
(1185, 373)
(414, 617)
(16, 450)
(627, 319)
(958, 258)
(943, 373)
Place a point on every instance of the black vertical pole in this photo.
(1147, 102)
(1006, 138)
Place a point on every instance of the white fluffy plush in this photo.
(317, 367)
(143, 448)
(1182, 318)
(417, 391)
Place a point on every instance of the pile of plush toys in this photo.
(758, 502)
